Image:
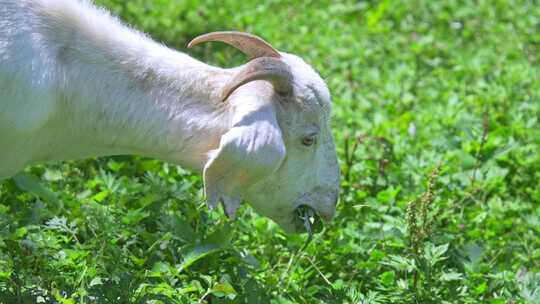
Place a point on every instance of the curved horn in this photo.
(264, 68)
(250, 45)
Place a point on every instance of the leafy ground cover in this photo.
(436, 118)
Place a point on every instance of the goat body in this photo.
(75, 82)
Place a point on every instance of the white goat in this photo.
(76, 83)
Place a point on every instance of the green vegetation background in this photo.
(436, 119)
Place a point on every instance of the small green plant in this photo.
(420, 220)
(419, 224)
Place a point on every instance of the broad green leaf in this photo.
(474, 252)
(196, 254)
(388, 277)
(30, 183)
(224, 290)
(134, 216)
(19, 233)
(451, 276)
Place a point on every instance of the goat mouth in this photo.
(306, 219)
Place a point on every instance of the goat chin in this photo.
(76, 83)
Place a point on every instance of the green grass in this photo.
(445, 93)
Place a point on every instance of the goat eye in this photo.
(308, 140)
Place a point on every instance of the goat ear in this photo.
(250, 151)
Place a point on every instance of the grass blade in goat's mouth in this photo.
(307, 219)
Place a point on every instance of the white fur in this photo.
(76, 83)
